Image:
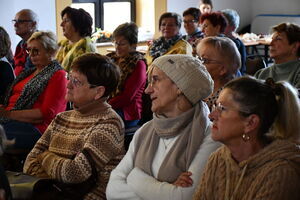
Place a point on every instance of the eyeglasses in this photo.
(219, 108)
(33, 52)
(19, 21)
(208, 61)
(77, 83)
(168, 25)
(119, 43)
(189, 21)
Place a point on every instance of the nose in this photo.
(213, 115)
(69, 85)
(149, 89)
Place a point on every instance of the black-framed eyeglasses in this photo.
(33, 51)
(19, 21)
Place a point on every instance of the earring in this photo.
(246, 137)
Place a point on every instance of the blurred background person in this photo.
(127, 98)
(77, 28)
(25, 24)
(233, 20)
(205, 6)
(213, 24)
(6, 71)
(222, 60)
(92, 129)
(285, 50)
(36, 95)
(255, 120)
(176, 143)
(171, 41)
(191, 22)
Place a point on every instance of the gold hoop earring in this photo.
(246, 137)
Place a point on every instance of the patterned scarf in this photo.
(33, 89)
(127, 65)
(161, 46)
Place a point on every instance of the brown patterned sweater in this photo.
(273, 173)
(57, 154)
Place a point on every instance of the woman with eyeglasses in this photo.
(171, 41)
(90, 136)
(258, 123)
(77, 28)
(175, 144)
(36, 95)
(222, 60)
(127, 98)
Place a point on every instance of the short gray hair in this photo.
(232, 17)
(32, 16)
(47, 39)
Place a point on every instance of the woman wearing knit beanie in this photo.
(258, 123)
(175, 145)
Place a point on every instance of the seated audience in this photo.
(285, 50)
(6, 71)
(206, 6)
(127, 98)
(191, 24)
(171, 41)
(222, 60)
(213, 24)
(25, 24)
(176, 143)
(233, 20)
(92, 127)
(255, 120)
(77, 28)
(36, 95)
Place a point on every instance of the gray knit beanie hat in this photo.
(188, 73)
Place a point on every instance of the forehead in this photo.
(207, 49)
(23, 15)
(279, 34)
(120, 38)
(205, 5)
(35, 43)
(168, 20)
(226, 97)
(188, 17)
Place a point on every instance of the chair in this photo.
(254, 63)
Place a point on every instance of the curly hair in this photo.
(215, 18)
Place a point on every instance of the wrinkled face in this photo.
(209, 29)
(211, 59)
(23, 24)
(169, 28)
(67, 27)
(79, 91)
(190, 24)
(228, 124)
(205, 8)
(280, 47)
(39, 56)
(163, 93)
(123, 47)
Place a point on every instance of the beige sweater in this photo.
(57, 154)
(271, 174)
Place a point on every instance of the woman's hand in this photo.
(184, 180)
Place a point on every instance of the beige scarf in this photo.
(190, 126)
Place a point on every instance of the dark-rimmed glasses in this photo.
(19, 21)
(32, 52)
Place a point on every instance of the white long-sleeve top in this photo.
(129, 182)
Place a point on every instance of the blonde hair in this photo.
(47, 39)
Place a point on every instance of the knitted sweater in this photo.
(273, 173)
(289, 71)
(57, 154)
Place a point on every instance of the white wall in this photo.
(44, 9)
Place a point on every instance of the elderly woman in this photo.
(93, 126)
(260, 157)
(127, 98)
(222, 60)
(176, 143)
(285, 50)
(6, 71)
(213, 24)
(233, 20)
(171, 41)
(77, 28)
(36, 95)
(205, 6)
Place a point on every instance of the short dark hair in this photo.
(99, 70)
(292, 32)
(177, 17)
(216, 18)
(195, 12)
(81, 20)
(209, 2)
(128, 30)
(5, 42)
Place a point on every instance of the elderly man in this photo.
(25, 24)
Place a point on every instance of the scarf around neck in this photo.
(161, 46)
(127, 66)
(33, 88)
(190, 126)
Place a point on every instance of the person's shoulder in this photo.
(63, 42)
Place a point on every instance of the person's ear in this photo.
(252, 123)
(296, 46)
(223, 70)
(100, 90)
